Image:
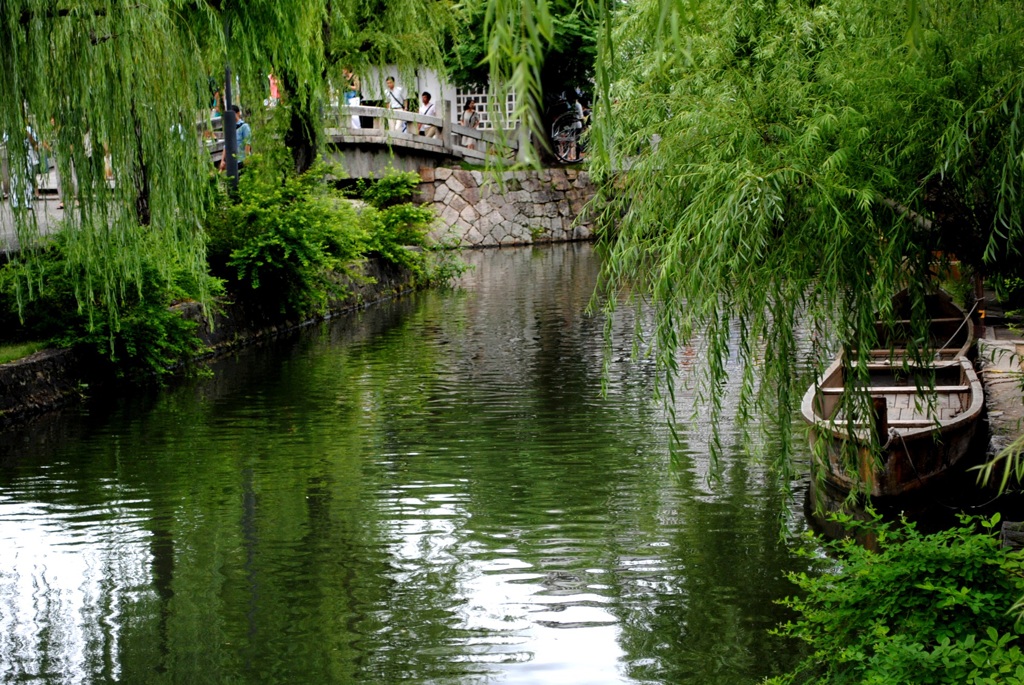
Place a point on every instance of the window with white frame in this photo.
(485, 104)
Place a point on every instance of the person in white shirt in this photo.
(395, 99)
(23, 181)
(428, 109)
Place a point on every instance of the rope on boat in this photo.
(957, 331)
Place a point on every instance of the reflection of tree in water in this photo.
(330, 508)
(699, 609)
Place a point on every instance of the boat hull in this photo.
(922, 433)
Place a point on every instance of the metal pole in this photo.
(230, 136)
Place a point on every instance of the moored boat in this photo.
(921, 423)
(915, 418)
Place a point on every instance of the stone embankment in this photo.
(481, 209)
(53, 378)
(1001, 359)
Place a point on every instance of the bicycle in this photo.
(567, 130)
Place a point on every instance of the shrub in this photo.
(394, 224)
(392, 188)
(392, 231)
(287, 242)
(925, 609)
(139, 337)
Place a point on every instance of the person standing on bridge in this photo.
(352, 97)
(395, 97)
(243, 137)
(470, 119)
(428, 109)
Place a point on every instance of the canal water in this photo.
(435, 490)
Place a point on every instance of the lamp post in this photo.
(230, 135)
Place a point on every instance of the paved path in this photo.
(1001, 359)
(1001, 362)
(46, 210)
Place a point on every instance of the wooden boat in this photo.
(950, 330)
(922, 431)
(921, 417)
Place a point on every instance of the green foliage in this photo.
(371, 33)
(148, 338)
(787, 169)
(390, 189)
(133, 79)
(567, 60)
(138, 336)
(443, 264)
(393, 224)
(288, 240)
(393, 231)
(925, 609)
(775, 165)
(118, 78)
(1010, 291)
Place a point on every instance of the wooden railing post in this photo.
(446, 126)
(523, 144)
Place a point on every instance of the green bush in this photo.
(288, 241)
(443, 264)
(394, 224)
(1009, 290)
(392, 231)
(392, 188)
(925, 609)
(139, 338)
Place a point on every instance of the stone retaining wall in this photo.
(50, 379)
(45, 380)
(518, 208)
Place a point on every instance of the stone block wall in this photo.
(482, 209)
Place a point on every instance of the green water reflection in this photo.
(433, 491)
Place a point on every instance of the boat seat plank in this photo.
(896, 423)
(901, 352)
(944, 319)
(877, 390)
(898, 365)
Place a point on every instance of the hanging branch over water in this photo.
(796, 163)
(127, 83)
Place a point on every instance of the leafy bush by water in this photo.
(288, 240)
(393, 223)
(140, 336)
(394, 187)
(291, 242)
(926, 609)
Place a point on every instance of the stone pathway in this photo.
(1001, 360)
(46, 211)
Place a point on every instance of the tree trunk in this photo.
(141, 176)
(303, 125)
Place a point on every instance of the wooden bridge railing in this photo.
(447, 140)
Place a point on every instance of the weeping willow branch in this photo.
(769, 167)
(919, 221)
(116, 88)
